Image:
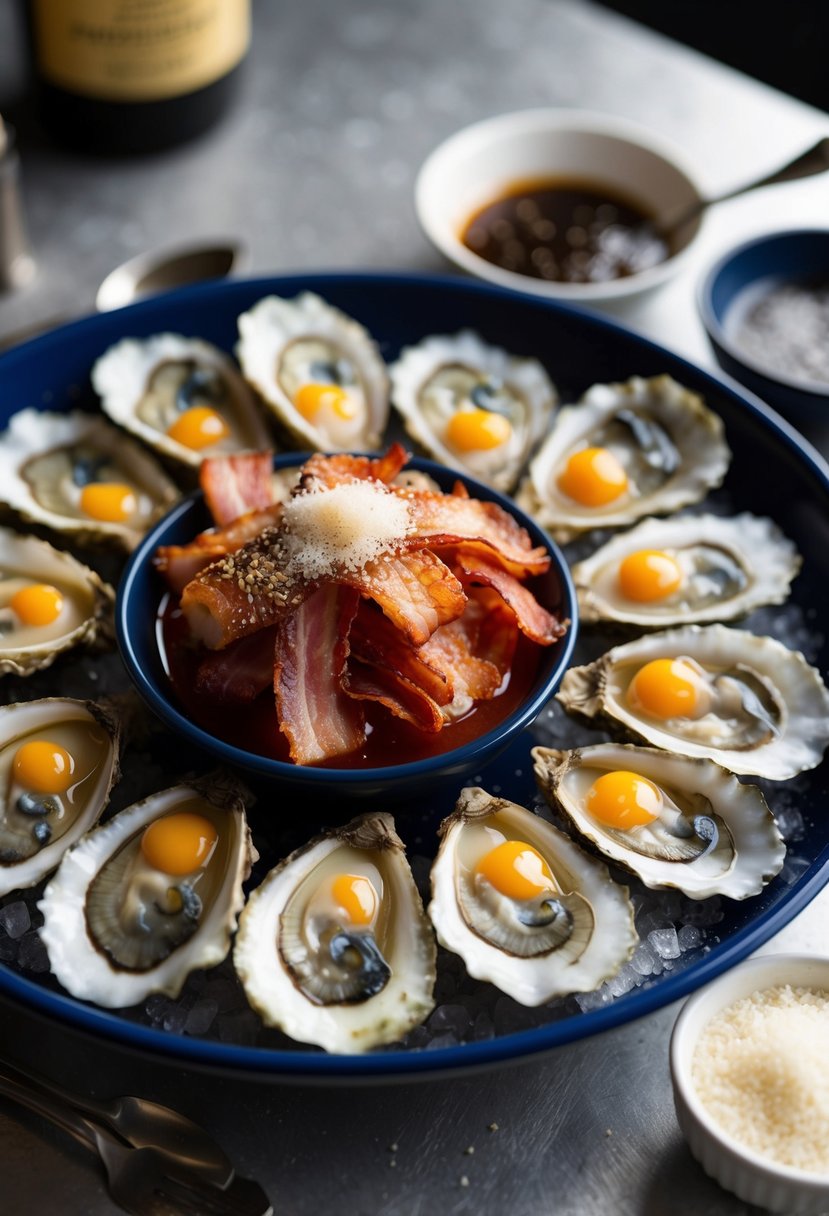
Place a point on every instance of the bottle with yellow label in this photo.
(136, 75)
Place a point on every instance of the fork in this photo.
(142, 1123)
(144, 1181)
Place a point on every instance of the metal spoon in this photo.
(144, 275)
(145, 1181)
(807, 164)
(142, 1123)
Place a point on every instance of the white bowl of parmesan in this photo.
(750, 1069)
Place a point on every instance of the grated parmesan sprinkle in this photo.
(343, 526)
(761, 1068)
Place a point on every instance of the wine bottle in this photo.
(119, 76)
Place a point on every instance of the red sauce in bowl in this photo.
(254, 727)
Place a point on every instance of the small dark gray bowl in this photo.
(139, 595)
(796, 255)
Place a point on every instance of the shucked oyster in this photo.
(49, 602)
(626, 450)
(473, 406)
(180, 395)
(153, 894)
(77, 474)
(523, 906)
(745, 701)
(334, 947)
(671, 820)
(318, 370)
(58, 762)
(694, 568)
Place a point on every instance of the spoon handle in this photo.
(49, 1108)
(807, 164)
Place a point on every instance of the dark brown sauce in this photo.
(566, 231)
(254, 727)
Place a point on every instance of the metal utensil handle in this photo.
(62, 1116)
(814, 160)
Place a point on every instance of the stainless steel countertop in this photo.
(314, 168)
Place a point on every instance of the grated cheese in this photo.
(761, 1068)
(343, 526)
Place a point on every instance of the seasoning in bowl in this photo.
(761, 1069)
(566, 230)
(784, 327)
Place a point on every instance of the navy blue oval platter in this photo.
(773, 472)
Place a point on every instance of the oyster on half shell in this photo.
(151, 895)
(79, 475)
(58, 762)
(685, 570)
(525, 907)
(334, 947)
(645, 447)
(49, 602)
(318, 371)
(473, 406)
(182, 396)
(674, 821)
(746, 701)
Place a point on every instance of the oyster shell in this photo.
(55, 790)
(129, 913)
(334, 947)
(75, 473)
(686, 570)
(49, 602)
(548, 922)
(318, 370)
(745, 701)
(626, 450)
(701, 831)
(182, 396)
(473, 406)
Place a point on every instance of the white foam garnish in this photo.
(343, 526)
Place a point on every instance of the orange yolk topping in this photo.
(311, 399)
(670, 688)
(593, 477)
(648, 575)
(179, 844)
(198, 428)
(356, 897)
(477, 430)
(516, 870)
(110, 501)
(624, 800)
(43, 767)
(37, 604)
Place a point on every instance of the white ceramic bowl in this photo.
(475, 166)
(753, 1178)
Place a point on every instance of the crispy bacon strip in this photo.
(376, 642)
(534, 621)
(449, 519)
(400, 696)
(239, 673)
(311, 649)
(334, 470)
(417, 591)
(181, 563)
(235, 485)
(258, 585)
(453, 650)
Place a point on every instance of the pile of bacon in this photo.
(426, 628)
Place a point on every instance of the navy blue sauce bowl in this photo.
(796, 255)
(136, 613)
